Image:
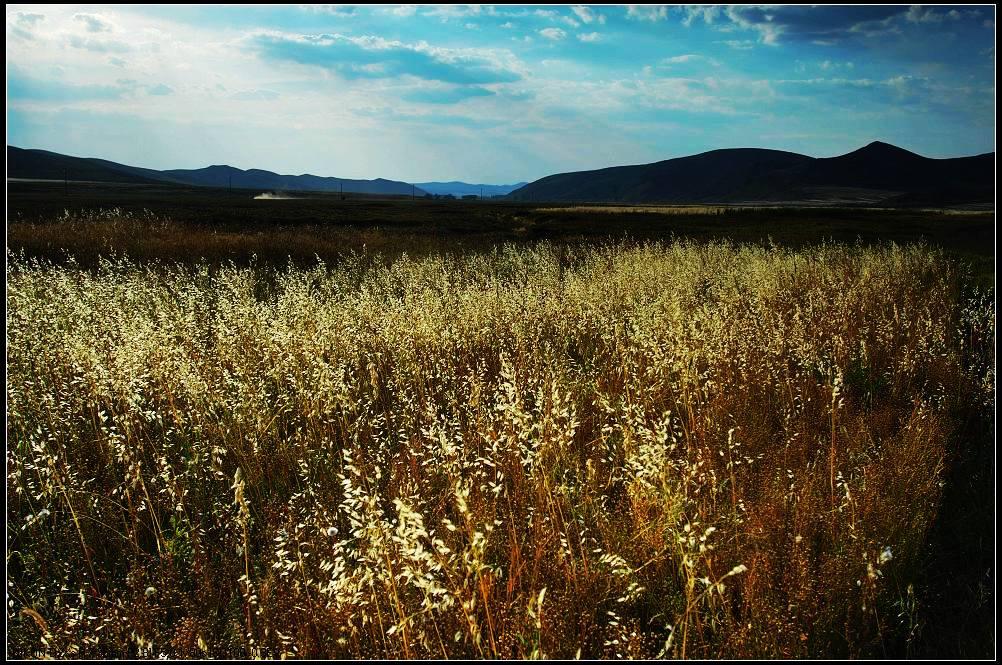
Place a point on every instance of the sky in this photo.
(493, 93)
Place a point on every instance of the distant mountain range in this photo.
(465, 189)
(879, 174)
(45, 165)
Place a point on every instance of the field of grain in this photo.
(659, 449)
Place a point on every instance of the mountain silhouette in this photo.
(45, 165)
(878, 173)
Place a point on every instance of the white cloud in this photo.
(97, 45)
(23, 24)
(334, 10)
(587, 15)
(396, 58)
(583, 13)
(554, 34)
(769, 32)
(446, 12)
(27, 20)
(590, 37)
(903, 84)
(689, 58)
(404, 10)
(93, 22)
(919, 14)
(828, 65)
(553, 15)
(709, 94)
(706, 12)
(647, 12)
(160, 90)
(256, 95)
(887, 26)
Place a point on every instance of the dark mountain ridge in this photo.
(45, 165)
(876, 173)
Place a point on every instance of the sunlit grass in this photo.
(663, 450)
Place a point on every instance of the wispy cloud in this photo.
(553, 34)
(160, 90)
(24, 87)
(256, 95)
(404, 11)
(446, 12)
(452, 95)
(93, 22)
(375, 57)
(920, 14)
(587, 15)
(27, 19)
(98, 45)
(680, 59)
(708, 13)
(22, 24)
(333, 10)
(647, 12)
(822, 25)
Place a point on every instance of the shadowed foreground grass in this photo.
(651, 450)
(186, 226)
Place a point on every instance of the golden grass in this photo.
(674, 450)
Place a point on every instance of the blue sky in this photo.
(493, 93)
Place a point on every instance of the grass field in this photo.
(170, 223)
(332, 428)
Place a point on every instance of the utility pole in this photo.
(412, 191)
